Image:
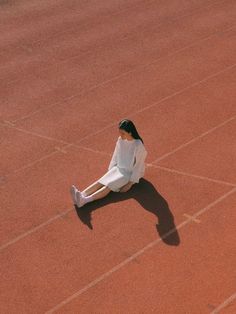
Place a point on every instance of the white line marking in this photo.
(196, 42)
(32, 163)
(191, 175)
(184, 89)
(147, 108)
(224, 304)
(194, 139)
(59, 102)
(149, 164)
(23, 235)
(92, 150)
(12, 126)
(38, 160)
(164, 168)
(192, 218)
(61, 150)
(110, 125)
(64, 213)
(200, 212)
(8, 123)
(136, 69)
(134, 256)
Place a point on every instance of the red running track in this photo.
(70, 71)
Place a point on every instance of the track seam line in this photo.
(136, 69)
(224, 304)
(135, 255)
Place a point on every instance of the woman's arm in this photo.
(138, 169)
(113, 161)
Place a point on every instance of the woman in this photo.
(126, 167)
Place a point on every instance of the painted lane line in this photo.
(192, 218)
(148, 164)
(134, 256)
(30, 231)
(24, 235)
(157, 103)
(8, 123)
(224, 304)
(221, 198)
(162, 168)
(110, 126)
(113, 270)
(190, 175)
(136, 69)
(194, 139)
(61, 150)
(57, 150)
(184, 89)
(146, 108)
(32, 163)
(12, 126)
(92, 150)
(55, 217)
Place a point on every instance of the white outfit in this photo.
(127, 164)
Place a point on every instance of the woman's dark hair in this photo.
(129, 127)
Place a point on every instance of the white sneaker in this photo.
(73, 191)
(80, 199)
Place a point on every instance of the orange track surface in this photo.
(70, 71)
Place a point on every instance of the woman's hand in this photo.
(126, 187)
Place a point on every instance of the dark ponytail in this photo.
(129, 127)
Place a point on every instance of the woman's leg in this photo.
(101, 193)
(92, 188)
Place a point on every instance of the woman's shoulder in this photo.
(139, 145)
(138, 142)
(119, 139)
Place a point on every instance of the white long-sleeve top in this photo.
(130, 156)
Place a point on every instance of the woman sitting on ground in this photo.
(125, 169)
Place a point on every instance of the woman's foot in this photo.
(73, 191)
(80, 199)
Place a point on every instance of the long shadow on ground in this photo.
(148, 197)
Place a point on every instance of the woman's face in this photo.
(125, 135)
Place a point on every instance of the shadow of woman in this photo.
(148, 197)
